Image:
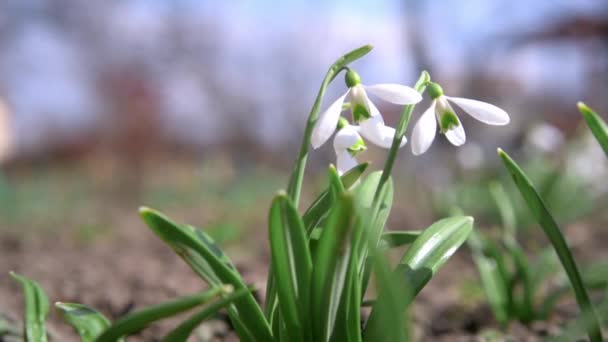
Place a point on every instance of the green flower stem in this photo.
(297, 176)
(420, 86)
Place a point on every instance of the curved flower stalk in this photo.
(364, 112)
(449, 124)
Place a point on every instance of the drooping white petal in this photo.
(482, 111)
(424, 131)
(327, 122)
(395, 93)
(344, 161)
(374, 130)
(456, 134)
(346, 138)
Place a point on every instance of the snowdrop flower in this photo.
(347, 144)
(441, 111)
(364, 112)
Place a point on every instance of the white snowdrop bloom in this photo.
(347, 144)
(441, 111)
(364, 112)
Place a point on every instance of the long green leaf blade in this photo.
(549, 226)
(138, 320)
(321, 205)
(424, 258)
(493, 280)
(375, 209)
(330, 267)
(597, 126)
(291, 264)
(36, 309)
(185, 329)
(204, 257)
(87, 322)
(433, 248)
(387, 321)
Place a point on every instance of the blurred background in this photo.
(197, 108)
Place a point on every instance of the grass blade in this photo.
(597, 126)
(36, 309)
(330, 267)
(204, 257)
(87, 322)
(549, 226)
(291, 264)
(138, 320)
(184, 330)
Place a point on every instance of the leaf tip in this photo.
(581, 106)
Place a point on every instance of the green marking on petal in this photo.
(448, 121)
(359, 146)
(360, 113)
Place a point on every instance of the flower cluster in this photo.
(368, 123)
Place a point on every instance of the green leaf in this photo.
(525, 305)
(387, 321)
(291, 264)
(87, 322)
(330, 267)
(376, 213)
(424, 257)
(138, 320)
(321, 205)
(36, 309)
(597, 126)
(212, 265)
(433, 248)
(494, 283)
(185, 329)
(546, 221)
(347, 325)
(312, 218)
(335, 183)
(398, 238)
